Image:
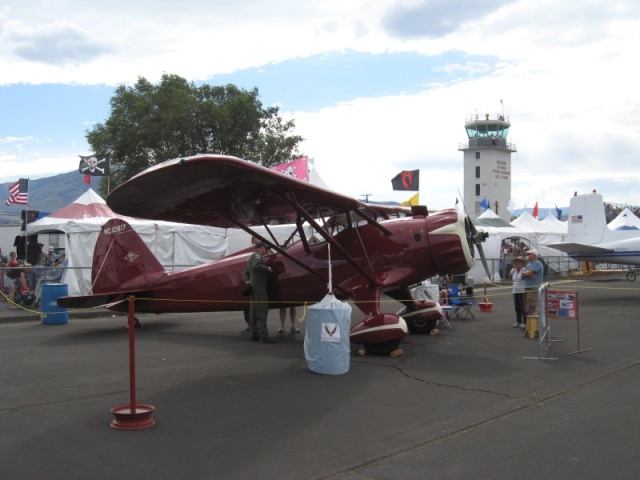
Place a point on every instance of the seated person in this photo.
(54, 274)
(23, 295)
(3, 289)
(30, 273)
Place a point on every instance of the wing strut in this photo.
(290, 198)
(280, 250)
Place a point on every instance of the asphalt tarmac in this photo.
(474, 402)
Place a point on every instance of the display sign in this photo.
(562, 304)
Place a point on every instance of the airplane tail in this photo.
(587, 220)
(121, 261)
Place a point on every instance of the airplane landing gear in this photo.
(631, 275)
(383, 349)
(421, 326)
(424, 319)
(380, 334)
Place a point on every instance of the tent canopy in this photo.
(626, 220)
(526, 222)
(552, 225)
(490, 219)
(175, 245)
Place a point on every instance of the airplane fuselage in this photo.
(386, 262)
(591, 240)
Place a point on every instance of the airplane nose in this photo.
(453, 235)
(449, 238)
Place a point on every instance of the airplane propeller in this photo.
(474, 237)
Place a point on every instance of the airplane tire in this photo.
(384, 348)
(421, 327)
(631, 276)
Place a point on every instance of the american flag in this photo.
(576, 218)
(19, 192)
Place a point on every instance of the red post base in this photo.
(485, 307)
(125, 419)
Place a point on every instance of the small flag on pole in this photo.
(414, 200)
(19, 192)
(95, 165)
(484, 204)
(535, 210)
(407, 180)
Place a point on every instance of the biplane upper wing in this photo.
(224, 191)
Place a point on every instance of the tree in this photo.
(153, 123)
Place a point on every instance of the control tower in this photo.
(487, 164)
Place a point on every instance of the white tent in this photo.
(542, 233)
(492, 250)
(490, 219)
(175, 245)
(552, 225)
(535, 234)
(526, 222)
(626, 220)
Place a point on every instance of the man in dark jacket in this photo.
(257, 275)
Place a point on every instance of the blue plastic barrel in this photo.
(53, 314)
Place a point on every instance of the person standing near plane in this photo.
(518, 291)
(257, 274)
(532, 274)
(292, 317)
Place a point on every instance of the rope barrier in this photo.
(507, 292)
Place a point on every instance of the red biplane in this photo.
(361, 250)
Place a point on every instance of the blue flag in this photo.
(558, 213)
(484, 204)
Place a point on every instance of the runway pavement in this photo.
(464, 404)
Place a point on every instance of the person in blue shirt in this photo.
(532, 275)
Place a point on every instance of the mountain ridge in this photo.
(46, 194)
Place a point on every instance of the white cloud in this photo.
(566, 73)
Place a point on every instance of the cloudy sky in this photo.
(374, 86)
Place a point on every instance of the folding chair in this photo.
(462, 306)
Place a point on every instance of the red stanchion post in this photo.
(132, 353)
(132, 416)
(485, 306)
